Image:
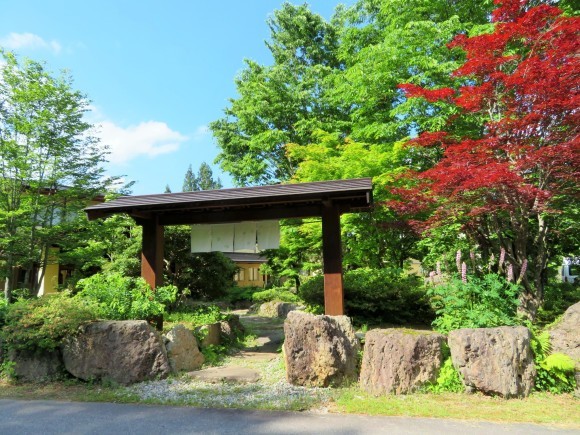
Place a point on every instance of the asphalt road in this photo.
(52, 417)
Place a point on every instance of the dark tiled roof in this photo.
(243, 257)
(356, 193)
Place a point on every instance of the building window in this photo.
(240, 275)
(254, 274)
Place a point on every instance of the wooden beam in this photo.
(332, 261)
(152, 252)
(239, 215)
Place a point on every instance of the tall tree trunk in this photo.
(533, 296)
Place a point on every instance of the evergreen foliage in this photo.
(376, 296)
(202, 181)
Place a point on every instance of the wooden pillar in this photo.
(332, 261)
(152, 252)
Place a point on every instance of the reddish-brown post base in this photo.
(332, 259)
(152, 252)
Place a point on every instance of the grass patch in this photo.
(543, 408)
(69, 390)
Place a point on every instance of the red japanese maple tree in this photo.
(507, 181)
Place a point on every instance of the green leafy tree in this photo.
(373, 239)
(329, 107)
(300, 251)
(50, 166)
(384, 43)
(281, 103)
(112, 245)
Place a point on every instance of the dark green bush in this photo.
(281, 294)
(558, 296)
(43, 323)
(206, 276)
(376, 296)
(478, 303)
(240, 294)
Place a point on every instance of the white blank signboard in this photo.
(268, 234)
(201, 238)
(245, 237)
(222, 237)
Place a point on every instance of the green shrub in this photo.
(214, 354)
(124, 298)
(201, 315)
(376, 296)
(554, 371)
(239, 294)
(275, 294)
(558, 296)
(449, 379)
(43, 323)
(478, 303)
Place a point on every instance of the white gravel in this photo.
(278, 396)
(272, 391)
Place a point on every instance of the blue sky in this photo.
(157, 73)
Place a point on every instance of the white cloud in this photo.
(16, 41)
(149, 138)
(200, 133)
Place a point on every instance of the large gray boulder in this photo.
(496, 361)
(276, 309)
(565, 335)
(320, 351)
(400, 361)
(182, 350)
(121, 351)
(35, 366)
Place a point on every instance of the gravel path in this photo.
(271, 391)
